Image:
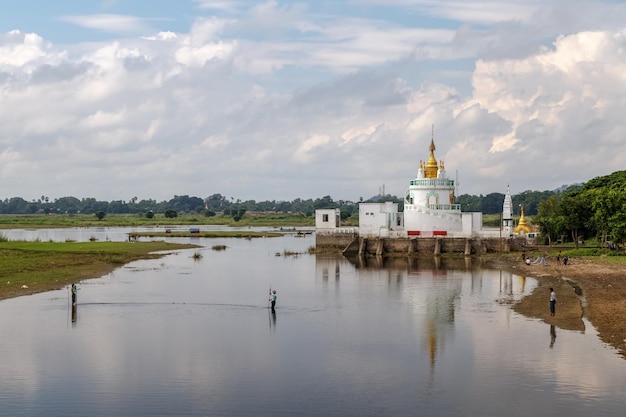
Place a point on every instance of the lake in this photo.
(180, 336)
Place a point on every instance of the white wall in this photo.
(327, 218)
(472, 223)
(377, 217)
(422, 219)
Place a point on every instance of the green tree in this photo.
(550, 219)
(492, 203)
(577, 212)
(170, 214)
(100, 215)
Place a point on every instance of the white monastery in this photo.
(429, 211)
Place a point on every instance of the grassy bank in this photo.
(14, 221)
(32, 267)
(213, 233)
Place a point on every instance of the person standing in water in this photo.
(273, 299)
(74, 293)
(552, 302)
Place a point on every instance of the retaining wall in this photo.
(352, 244)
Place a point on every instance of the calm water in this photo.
(185, 337)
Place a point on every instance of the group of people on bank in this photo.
(541, 259)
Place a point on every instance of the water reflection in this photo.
(272, 319)
(74, 314)
(401, 337)
(431, 288)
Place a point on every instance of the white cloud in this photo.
(322, 105)
(113, 23)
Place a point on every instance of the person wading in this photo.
(74, 293)
(273, 299)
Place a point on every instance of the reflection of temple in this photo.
(408, 277)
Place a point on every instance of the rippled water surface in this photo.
(184, 337)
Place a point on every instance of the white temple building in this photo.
(429, 210)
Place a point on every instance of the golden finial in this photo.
(430, 170)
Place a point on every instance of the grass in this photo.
(211, 233)
(45, 266)
(12, 221)
(602, 255)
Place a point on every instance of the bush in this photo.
(170, 214)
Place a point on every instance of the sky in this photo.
(279, 100)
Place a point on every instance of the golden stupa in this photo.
(430, 170)
(522, 227)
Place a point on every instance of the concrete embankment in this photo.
(353, 244)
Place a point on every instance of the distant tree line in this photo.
(492, 203)
(218, 203)
(209, 206)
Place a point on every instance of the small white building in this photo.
(327, 219)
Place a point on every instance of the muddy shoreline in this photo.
(584, 288)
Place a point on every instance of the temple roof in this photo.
(430, 170)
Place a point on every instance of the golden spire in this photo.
(522, 226)
(430, 170)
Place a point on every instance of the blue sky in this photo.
(300, 99)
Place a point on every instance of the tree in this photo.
(150, 214)
(69, 205)
(170, 214)
(184, 203)
(100, 215)
(238, 214)
(550, 219)
(577, 212)
(492, 203)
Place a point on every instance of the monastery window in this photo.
(325, 217)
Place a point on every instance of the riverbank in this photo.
(584, 287)
(32, 267)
